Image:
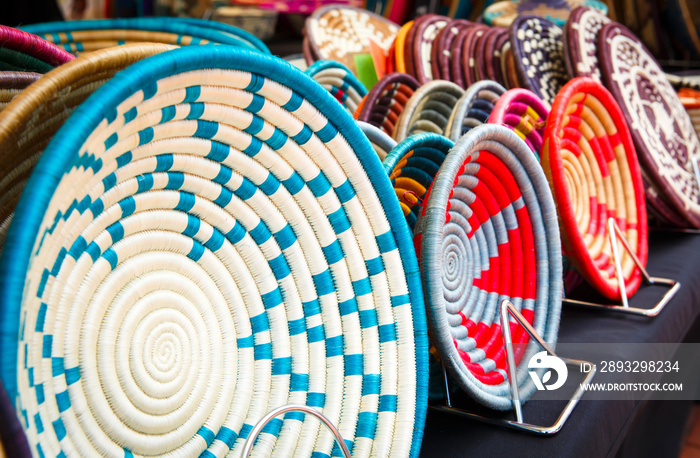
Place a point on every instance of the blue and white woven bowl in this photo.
(199, 244)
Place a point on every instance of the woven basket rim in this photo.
(454, 125)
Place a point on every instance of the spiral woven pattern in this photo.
(412, 166)
(34, 116)
(386, 101)
(538, 53)
(90, 35)
(339, 32)
(524, 113)
(428, 109)
(473, 108)
(22, 51)
(662, 131)
(207, 244)
(593, 170)
(487, 233)
(339, 81)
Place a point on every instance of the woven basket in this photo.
(593, 170)
(13, 83)
(419, 41)
(386, 101)
(380, 140)
(411, 166)
(340, 32)
(538, 52)
(428, 109)
(91, 35)
(503, 13)
(400, 51)
(30, 121)
(339, 81)
(581, 42)
(661, 129)
(442, 48)
(473, 108)
(25, 52)
(229, 253)
(488, 232)
(524, 113)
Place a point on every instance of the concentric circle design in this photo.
(592, 167)
(339, 81)
(428, 109)
(538, 50)
(524, 113)
(662, 131)
(411, 166)
(473, 108)
(200, 245)
(487, 233)
(386, 101)
(581, 42)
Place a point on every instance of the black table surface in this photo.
(595, 428)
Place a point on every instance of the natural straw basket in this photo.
(524, 113)
(228, 253)
(473, 108)
(91, 35)
(538, 53)
(380, 140)
(22, 51)
(592, 167)
(488, 232)
(661, 129)
(428, 109)
(386, 101)
(12, 83)
(29, 122)
(339, 81)
(411, 166)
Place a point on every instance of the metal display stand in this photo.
(507, 308)
(250, 441)
(614, 233)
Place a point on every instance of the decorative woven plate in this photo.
(457, 75)
(538, 51)
(411, 166)
(387, 100)
(91, 35)
(504, 13)
(339, 32)
(401, 53)
(500, 46)
(581, 42)
(508, 67)
(30, 121)
(13, 83)
(428, 109)
(442, 46)
(473, 108)
(592, 167)
(662, 131)
(25, 52)
(212, 245)
(468, 57)
(492, 53)
(488, 232)
(420, 40)
(339, 81)
(525, 113)
(380, 140)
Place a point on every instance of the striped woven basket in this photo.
(386, 101)
(411, 166)
(592, 166)
(419, 42)
(12, 83)
(523, 112)
(339, 81)
(200, 245)
(31, 120)
(428, 109)
(380, 140)
(399, 50)
(473, 108)
(488, 232)
(91, 35)
(25, 52)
